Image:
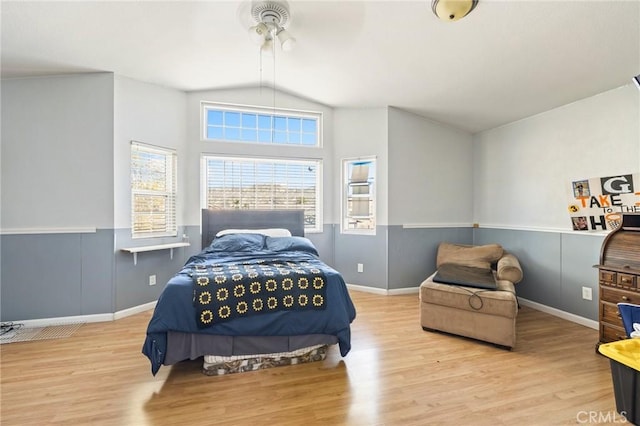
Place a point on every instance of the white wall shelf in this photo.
(170, 247)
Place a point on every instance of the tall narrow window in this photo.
(264, 183)
(358, 205)
(153, 191)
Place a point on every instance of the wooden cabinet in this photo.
(619, 276)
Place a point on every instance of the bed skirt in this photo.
(219, 365)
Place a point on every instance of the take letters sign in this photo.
(597, 204)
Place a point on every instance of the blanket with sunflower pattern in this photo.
(229, 290)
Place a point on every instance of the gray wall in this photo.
(57, 152)
(65, 187)
(56, 247)
(155, 115)
(522, 177)
(56, 275)
(555, 266)
(434, 182)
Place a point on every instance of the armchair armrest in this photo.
(508, 268)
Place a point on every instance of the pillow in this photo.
(237, 243)
(271, 232)
(509, 268)
(474, 256)
(468, 276)
(290, 244)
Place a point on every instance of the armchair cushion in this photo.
(474, 256)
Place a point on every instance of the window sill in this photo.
(170, 247)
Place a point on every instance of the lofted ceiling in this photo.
(507, 60)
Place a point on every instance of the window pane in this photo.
(280, 137)
(359, 196)
(153, 191)
(232, 133)
(295, 124)
(264, 122)
(214, 117)
(232, 119)
(264, 136)
(214, 133)
(280, 123)
(308, 139)
(249, 135)
(249, 121)
(308, 125)
(263, 184)
(294, 138)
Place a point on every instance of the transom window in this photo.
(268, 126)
(153, 191)
(264, 183)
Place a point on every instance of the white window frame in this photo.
(348, 193)
(273, 112)
(169, 193)
(317, 228)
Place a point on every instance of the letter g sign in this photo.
(622, 184)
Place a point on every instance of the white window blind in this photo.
(153, 191)
(252, 183)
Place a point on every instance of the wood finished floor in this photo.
(395, 374)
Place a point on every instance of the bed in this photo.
(253, 298)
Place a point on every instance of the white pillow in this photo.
(269, 232)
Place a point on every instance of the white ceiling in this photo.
(505, 61)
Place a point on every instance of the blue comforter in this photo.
(175, 308)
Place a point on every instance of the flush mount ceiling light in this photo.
(452, 10)
(270, 18)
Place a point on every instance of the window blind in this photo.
(251, 183)
(153, 191)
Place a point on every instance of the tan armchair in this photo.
(466, 310)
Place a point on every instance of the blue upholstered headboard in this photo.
(214, 221)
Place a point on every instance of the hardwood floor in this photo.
(395, 374)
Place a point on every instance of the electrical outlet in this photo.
(586, 293)
(360, 267)
(152, 280)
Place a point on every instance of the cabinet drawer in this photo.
(618, 296)
(608, 277)
(626, 280)
(609, 333)
(609, 313)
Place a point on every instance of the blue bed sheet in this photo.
(175, 309)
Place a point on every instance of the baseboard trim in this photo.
(365, 289)
(382, 291)
(47, 322)
(525, 302)
(561, 314)
(135, 310)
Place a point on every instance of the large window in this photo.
(359, 203)
(264, 183)
(258, 125)
(153, 191)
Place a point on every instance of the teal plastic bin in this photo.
(624, 356)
